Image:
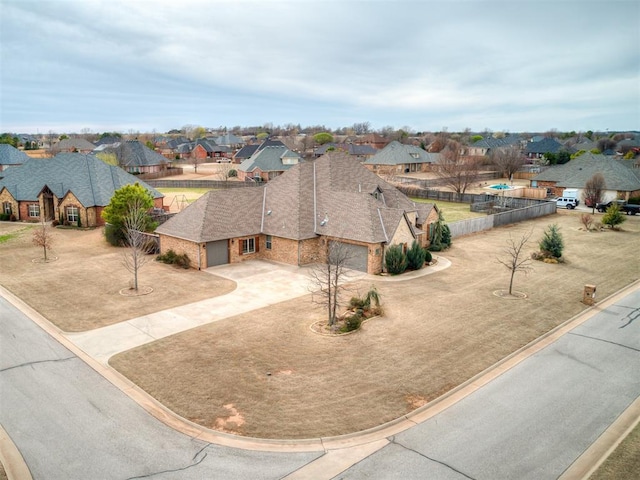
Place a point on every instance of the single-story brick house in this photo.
(399, 158)
(10, 156)
(136, 158)
(622, 180)
(69, 187)
(267, 163)
(293, 218)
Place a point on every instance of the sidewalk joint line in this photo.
(393, 441)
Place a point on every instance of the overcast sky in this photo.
(143, 65)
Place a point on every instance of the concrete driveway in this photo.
(259, 284)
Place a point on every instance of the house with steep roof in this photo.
(359, 153)
(622, 181)
(10, 156)
(70, 145)
(400, 158)
(296, 216)
(539, 148)
(267, 163)
(71, 187)
(230, 140)
(136, 158)
(204, 149)
(484, 147)
(248, 150)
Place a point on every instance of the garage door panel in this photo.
(217, 253)
(358, 256)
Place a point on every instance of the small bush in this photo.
(587, 221)
(427, 256)
(395, 260)
(172, 258)
(55, 223)
(613, 217)
(552, 242)
(352, 323)
(4, 217)
(415, 256)
(114, 235)
(233, 173)
(357, 302)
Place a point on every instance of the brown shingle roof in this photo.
(332, 196)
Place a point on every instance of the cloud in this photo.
(476, 64)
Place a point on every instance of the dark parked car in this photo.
(602, 207)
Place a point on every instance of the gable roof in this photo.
(132, 153)
(350, 148)
(229, 139)
(246, 151)
(546, 145)
(332, 196)
(492, 143)
(10, 155)
(269, 159)
(91, 180)
(75, 143)
(397, 153)
(574, 174)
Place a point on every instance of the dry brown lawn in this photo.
(80, 290)
(266, 374)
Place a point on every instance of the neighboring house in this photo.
(293, 219)
(399, 158)
(267, 163)
(207, 149)
(249, 150)
(10, 156)
(484, 147)
(68, 187)
(70, 145)
(621, 180)
(539, 148)
(358, 152)
(134, 157)
(376, 141)
(230, 140)
(108, 140)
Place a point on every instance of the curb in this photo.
(322, 444)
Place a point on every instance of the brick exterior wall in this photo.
(70, 200)
(5, 196)
(196, 252)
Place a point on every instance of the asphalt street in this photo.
(533, 421)
(70, 423)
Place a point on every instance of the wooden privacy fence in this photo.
(217, 184)
(473, 225)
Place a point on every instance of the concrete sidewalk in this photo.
(259, 284)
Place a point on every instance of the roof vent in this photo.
(324, 221)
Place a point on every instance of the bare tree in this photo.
(456, 170)
(328, 279)
(515, 261)
(140, 246)
(225, 171)
(507, 160)
(594, 191)
(42, 238)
